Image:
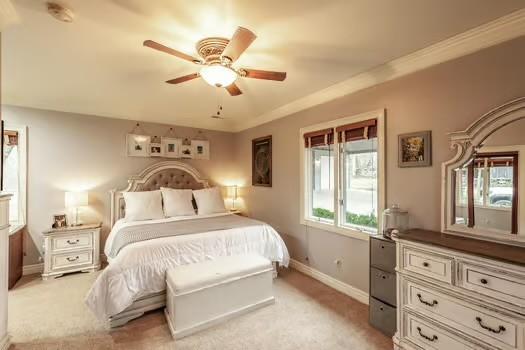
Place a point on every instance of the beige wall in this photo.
(444, 98)
(72, 152)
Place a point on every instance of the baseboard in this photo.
(4, 342)
(342, 287)
(33, 269)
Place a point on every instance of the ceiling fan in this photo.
(218, 55)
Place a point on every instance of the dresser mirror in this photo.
(484, 183)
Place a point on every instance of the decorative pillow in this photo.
(145, 205)
(177, 202)
(209, 201)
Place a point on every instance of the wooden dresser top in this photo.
(497, 251)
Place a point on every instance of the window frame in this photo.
(305, 176)
(22, 173)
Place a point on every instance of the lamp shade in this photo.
(76, 199)
(232, 191)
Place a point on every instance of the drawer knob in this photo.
(483, 281)
(422, 335)
(425, 264)
(382, 247)
(383, 277)
(423, 301)
(488, 328)
(72, 242)
(70, 259)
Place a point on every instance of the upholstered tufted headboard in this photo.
(172, 174)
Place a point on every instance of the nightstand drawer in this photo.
(428, 264)
(72, 259)
(77, 241)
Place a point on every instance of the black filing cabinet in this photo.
(382, 310)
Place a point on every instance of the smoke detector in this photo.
(60, 12)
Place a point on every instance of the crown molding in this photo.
(8, 14)
(489, 34)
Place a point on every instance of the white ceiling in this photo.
(97, 64)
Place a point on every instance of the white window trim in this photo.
(304, 192)
(22, 165)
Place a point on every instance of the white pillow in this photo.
(145, 205)
(209, 201)
(177, 202)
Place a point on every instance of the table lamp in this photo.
(75, 200)
(232, 193)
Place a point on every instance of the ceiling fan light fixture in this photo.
(218, 75)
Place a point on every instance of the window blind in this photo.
(319, 138)
(363, 130)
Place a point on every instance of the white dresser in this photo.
(71, 249)
(457, 293)
(4, 259)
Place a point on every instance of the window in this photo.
(14, 173)
(342, 177)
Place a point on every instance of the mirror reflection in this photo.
(488, 186)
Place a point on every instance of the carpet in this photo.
(306, 315)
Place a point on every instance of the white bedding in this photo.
(140, 268)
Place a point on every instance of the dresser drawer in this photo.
(383, 254)
(430, 336)
(71, 259)
(383, 286)
(77, 241)
(497, 283)
(428, 264)
(382, 316)
(480, 323)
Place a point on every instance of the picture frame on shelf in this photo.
(171, 147)
(415, 149)
(59, 221)
(201, 149)
(137, 145)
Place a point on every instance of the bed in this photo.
(134, 280)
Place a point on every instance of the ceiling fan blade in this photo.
(154, 45)
(183, 78)
(233, 90)
(240, 41)
(263, 74)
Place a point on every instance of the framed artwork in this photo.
(262, 161)
(155, 150)
(415, 149)
(138, 145)
(201, 149)
(171, 147)
(59, 221)
(186, 152)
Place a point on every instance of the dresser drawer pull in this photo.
(72, 259)
(422, 301)
(73, 242)
(480, 321)
(425, 264)
(433, 338)
(483, 281)
(383, 277)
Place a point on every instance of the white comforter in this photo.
(140, 268)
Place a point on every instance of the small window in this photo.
(322, 185)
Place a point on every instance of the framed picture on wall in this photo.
(201, 149)
(415, 149)
(138, 145)
(262, 161)
(171, 147)
(155, 150)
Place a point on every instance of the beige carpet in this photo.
(307, 315)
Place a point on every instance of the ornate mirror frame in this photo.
(466, 143)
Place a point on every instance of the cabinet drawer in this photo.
(428, 264)
(383, 254)
(430, 336)
(382, 316)
(72, 259)
(480, 323)
(383, 286)
(497, 283)
(81, 240)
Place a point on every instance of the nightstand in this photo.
(71, 249)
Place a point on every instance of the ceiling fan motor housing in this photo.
(210, 49)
